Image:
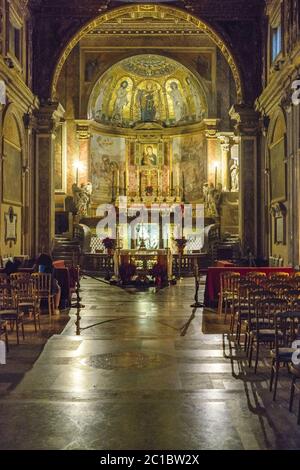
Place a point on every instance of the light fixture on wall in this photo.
(265, 122)
(78, 166)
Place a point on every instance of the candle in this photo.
(216, 174)
(125, 185)
(140, 184)
(113, 186)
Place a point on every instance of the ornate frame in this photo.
(11, 220)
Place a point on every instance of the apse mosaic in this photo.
(147, 88)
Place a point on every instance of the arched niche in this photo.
(277, 154)
(277, 157)
(13, 153)
(140, 11)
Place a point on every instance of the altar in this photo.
(145, 261)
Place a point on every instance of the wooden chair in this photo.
(264, 331)
(26, 301)
(3, 332)
(255, 295)
(41, 285)
(295, 371)
(9, 312)
(4, 280)
(240, 306)
(229, 288)
(256, 277)
(280, 276)
(286, 331)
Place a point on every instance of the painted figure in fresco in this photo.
(147, 103)
(234, 172)
(178, 103)
(99, 104)
(149, 157)
(121, 101)
(196, 98)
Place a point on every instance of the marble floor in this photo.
(137, 378)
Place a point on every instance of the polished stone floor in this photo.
(137, 379)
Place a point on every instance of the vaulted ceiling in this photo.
(238, 22)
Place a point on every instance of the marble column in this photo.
(29, 176)
(246, 127)
(48, 118)
(226, 142)
(83, 136)
(211, 134)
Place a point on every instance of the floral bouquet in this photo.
(160, 274)
(181, 243)
(127, 271)
(109, 244)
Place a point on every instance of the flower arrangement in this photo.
(159, 270)
(109, 244)
(181, 243)
(127, 271)
(160, 274)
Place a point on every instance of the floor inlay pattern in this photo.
(128, 360)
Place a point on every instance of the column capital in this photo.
(246, 119)
(49, 116)
(226, 139)
(211, 128)
(83, 131)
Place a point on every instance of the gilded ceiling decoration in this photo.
(148, 15)
(147, 88)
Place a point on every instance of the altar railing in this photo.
(103, 264)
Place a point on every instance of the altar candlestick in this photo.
(118, 183)
(140, 184)
(125, 189)
(113, 186)
(216, 174)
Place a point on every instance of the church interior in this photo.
(149, 224)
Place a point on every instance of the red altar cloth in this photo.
(212, 286)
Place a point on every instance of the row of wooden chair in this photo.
(267, 310)
(21, 295)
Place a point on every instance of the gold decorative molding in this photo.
(83, 131)
(151, 10)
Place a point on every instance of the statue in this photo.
(121, 101)
(234, 173)
(212, 199)
(147, 104)
(82, 198)
(178, 103)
